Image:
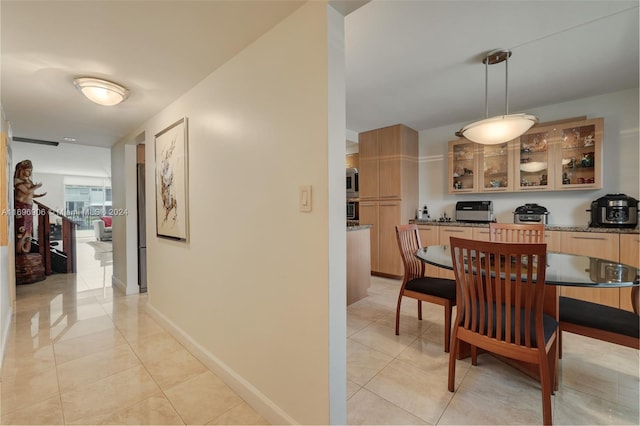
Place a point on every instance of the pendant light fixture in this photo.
(102, 92)
(502, 128)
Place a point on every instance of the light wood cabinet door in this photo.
(481, 234)
(578, 159)
(429, 237)
(390, 261)
(534, 159)
(496, 165)
(463, 162)
(389, 165)
(352, 161)
(368, 161)
(594, 244)
(553, 240)
(629, 255)
(447, 232)
(369, 215)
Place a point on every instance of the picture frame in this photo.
(172, 186)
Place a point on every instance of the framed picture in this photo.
(172, 210)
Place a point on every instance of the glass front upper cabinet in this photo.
(496, 161)
(579, 158)
(534, 168)
(462, 165)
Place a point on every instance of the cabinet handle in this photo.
(453, 230)
(589, 238)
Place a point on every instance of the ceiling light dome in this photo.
(503, 128)
(100, 91)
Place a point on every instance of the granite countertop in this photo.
(354, 225)
(548, 227)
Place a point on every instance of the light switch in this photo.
(305, 198)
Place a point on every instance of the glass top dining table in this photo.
(562, 268)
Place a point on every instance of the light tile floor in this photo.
(80, 353)
(403, 379)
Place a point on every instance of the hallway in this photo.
(80, 353)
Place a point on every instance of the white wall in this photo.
(251, 290)
(621, 158)
(124, 226)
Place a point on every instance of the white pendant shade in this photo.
(496, 130)
(102, 92)
(502, 128)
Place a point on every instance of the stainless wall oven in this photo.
(352, 183)
(352, 210)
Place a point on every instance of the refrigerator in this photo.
(142, 230)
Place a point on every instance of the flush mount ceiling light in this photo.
(502, 128)
(100, 91)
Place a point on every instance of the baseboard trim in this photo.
(256, 399)
(4, 338)
(116, 283)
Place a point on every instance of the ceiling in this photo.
(411, 62)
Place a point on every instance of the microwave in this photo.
(352, 183)
(353, 210)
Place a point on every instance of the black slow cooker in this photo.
(614, 211)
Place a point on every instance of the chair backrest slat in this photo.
(516, 232)
(500, 289)
(409, 242)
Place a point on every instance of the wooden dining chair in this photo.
(516, 232)
(500, 288)
(416, 286)
(600, 322)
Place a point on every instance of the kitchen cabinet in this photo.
(495, 163)
(444, 234)
(429, 237)
(553, 240)
(596, 244)
(480, 168)
(388, 191)
(629, 255)
(559, 156)
(369, 215)
(358, 264)
(480, 234)
(578, 159)
(352, 161)
(385, 254)
(534, 160)
(463, 159)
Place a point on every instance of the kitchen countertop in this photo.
(354, 225)
(565, 228)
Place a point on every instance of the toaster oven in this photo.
(474, 211)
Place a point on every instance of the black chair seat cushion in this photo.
(594, 315)
(439, 287)
(549, 324)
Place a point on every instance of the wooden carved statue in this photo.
(24, 193)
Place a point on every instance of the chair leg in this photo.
(398, 314)
(447, 327)
(545, 381)
(559, 343)
(452, 360)
(474, 355)
(419, 309)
